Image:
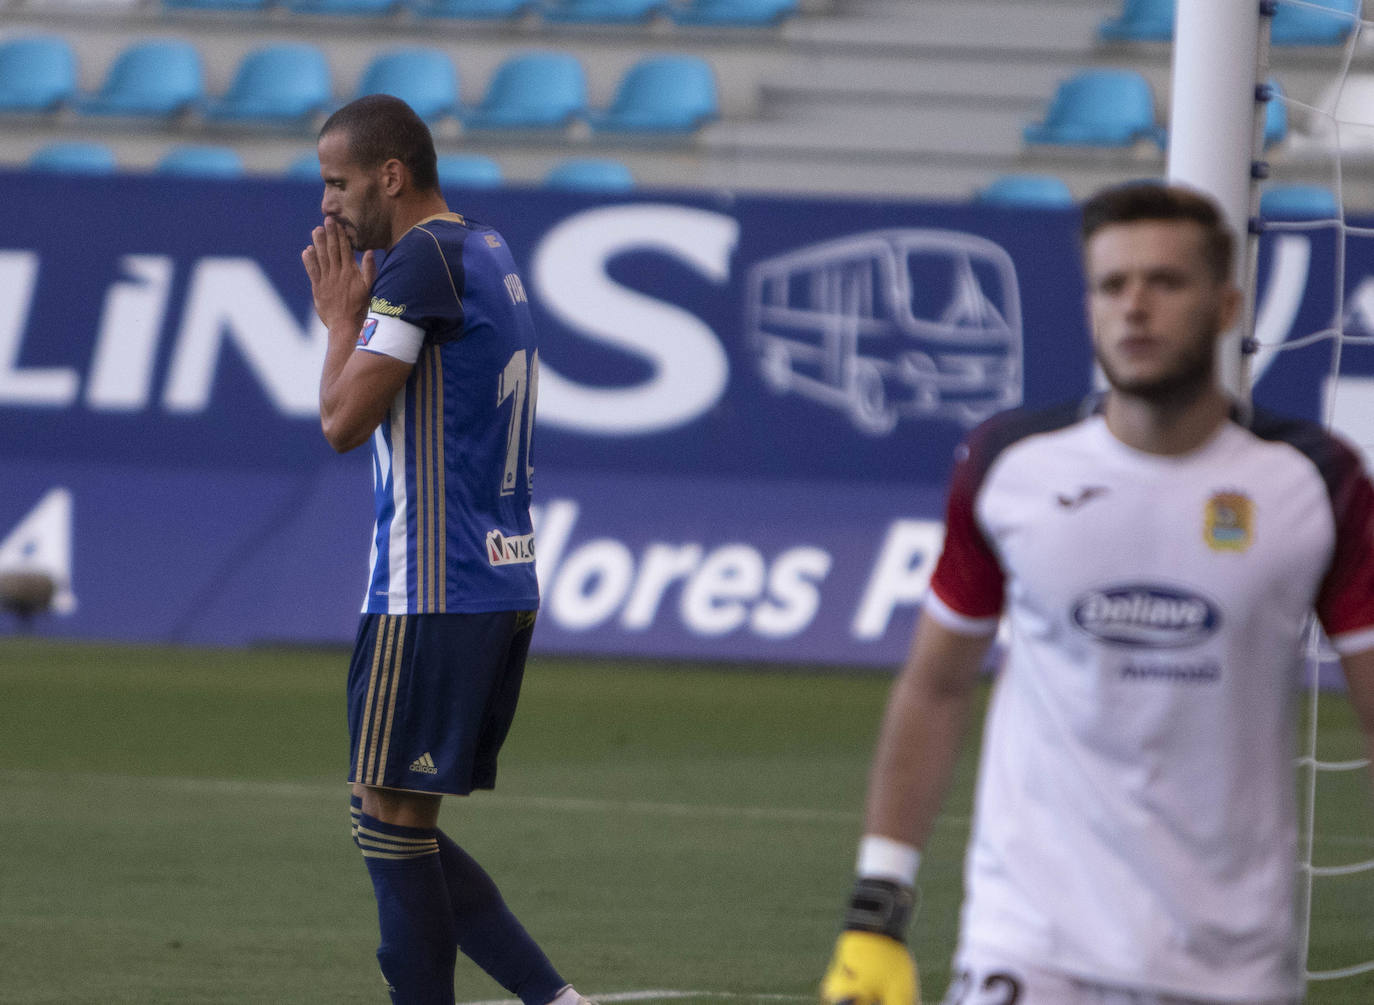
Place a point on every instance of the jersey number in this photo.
(520, 381)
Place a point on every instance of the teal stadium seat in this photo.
(662, 94)
(472, 10)
(202, 162)
(306, 167)
(469, 171)
(344, 8)
(590, 174)
(1026, 190)
(534, 90)
(1140, 21)
(602, 11)
(283, 84)
(1295, 24)
(218, 5)
(75, 157)
(1275, 114)
(734, 13)
(154, 79)
(1299, 202)
(423, 78)
(1102, 108)
(37, 74)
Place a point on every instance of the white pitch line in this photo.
(663, 995)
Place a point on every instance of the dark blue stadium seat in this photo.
(533, 90)
(662, 94)
(74, 157)
(284, 83)
(590, 174)
(37, 74)
(423, 78)
(154, 79)
(1110, 108)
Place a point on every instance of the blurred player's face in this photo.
(352, 195)
(1155, 307)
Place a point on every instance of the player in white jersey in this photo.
(432, 359)
(1156, 553)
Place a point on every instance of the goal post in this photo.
(1214, 119)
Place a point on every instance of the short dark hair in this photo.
(1140, 202)
(380, 127)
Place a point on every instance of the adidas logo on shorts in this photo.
(424, 764)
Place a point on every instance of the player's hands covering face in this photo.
(341, 286)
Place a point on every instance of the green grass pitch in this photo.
(174, 829)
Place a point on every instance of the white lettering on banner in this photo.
(42, 542)
(900, 576)
(690, 368)
(231, 300)
(726, 589)
(126, 348)
(53, 386)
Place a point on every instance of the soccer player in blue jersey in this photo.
(432, 359)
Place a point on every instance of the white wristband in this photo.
(883, 858)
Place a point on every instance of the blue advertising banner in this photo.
(748, 406)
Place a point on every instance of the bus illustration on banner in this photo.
(891, 324)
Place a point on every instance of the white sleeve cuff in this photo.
(883, 858)
(391, 337)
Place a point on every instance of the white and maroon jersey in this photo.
(1135, 817)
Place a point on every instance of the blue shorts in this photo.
(431, 698)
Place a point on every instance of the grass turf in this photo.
(175, 829)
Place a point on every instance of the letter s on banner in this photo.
(690, 366)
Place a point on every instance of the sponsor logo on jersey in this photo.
(1229, 522)
(1147, 615)
(505, 549)
(369, 329)
(492, 240)
(380, 305)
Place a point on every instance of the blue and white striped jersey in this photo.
(452, 466)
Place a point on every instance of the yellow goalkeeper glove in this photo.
(871, 964)
(870, 969)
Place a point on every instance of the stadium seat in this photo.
(1299, 202)
(532, 90)
(425, 79)
(202, 162)
(283, 83)
(666, 94)
(1025, 190)
(1140, 21)
(37, 74)
(153, 79)
(590, 174)
(469, 171)
(743, 13)
(306, 167)
(1108, 108)
(1275, 115)
(344, 8)
(602, 11)
(473, 10)
(77, 157)
(217, 5)
(1296, 24)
